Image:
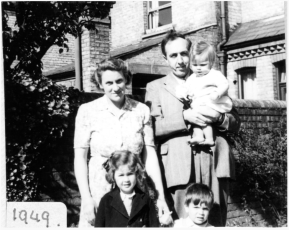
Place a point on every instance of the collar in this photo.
(103, 104)
(124, 196)
(139, 201)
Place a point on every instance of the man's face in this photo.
(177, 57)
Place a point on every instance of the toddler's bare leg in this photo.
(208, 133)
(198, 135)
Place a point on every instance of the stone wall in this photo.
(62, 184)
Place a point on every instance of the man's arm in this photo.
(164, 125)
(224, 122)
(231, 123)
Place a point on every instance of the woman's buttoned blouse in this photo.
(104, 130)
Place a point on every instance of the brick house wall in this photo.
(53, 59)
(95, 47)
(255, 10)
(242, 12)
(124, 32)
(193, 14)
(234, 14)
(127, 28)
(12, 19)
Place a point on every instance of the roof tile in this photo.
(250, 31)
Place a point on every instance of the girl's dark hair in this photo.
(198, 194)
(112, 64)
(133, 161)
(171, 36)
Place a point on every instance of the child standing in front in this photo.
(126, 205)
(206, 86)
(198, 203)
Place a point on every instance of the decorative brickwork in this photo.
(252, 52)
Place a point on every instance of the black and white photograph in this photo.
(103, 123)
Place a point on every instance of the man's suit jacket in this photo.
(112, 213)
(172, 134)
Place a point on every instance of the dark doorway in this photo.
(139, 82)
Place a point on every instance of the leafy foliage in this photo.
(261, 168)
(36, 109)
(41, 25)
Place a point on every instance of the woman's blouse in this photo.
(106, 130)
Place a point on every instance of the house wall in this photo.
(246, 11)
(256, 10)
(265, 74)
(54, 59)
(95, 47)
(127, 28)
(124, 32)
(193, 14)
(234, 15)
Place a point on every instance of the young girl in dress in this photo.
(206, 86)
(126, 205)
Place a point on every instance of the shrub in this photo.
(36, 117)
(261, 168)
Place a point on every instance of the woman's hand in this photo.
(89, 208)
(165, 217)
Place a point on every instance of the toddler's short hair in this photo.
(203, 51)
(198, 194)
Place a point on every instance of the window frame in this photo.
(240, 80)
(153, 21)
(279, 84)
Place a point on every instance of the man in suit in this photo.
(181, 163)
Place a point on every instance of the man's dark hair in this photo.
(171, 36)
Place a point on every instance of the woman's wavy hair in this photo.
(133, 161)
(112, 64)
(199, 193)
(203, 51)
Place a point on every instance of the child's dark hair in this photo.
(171, 36)
(120, 158)
(204, 52)
(198, 194)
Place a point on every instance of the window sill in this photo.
(157, 31)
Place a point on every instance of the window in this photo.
(247, 83)
(159, 13)
(281, 80)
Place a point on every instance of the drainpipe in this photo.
(78, 63)
(221, 53)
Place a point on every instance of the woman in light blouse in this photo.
(112, 122)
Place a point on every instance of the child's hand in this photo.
(214, 96)
(166, 218)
